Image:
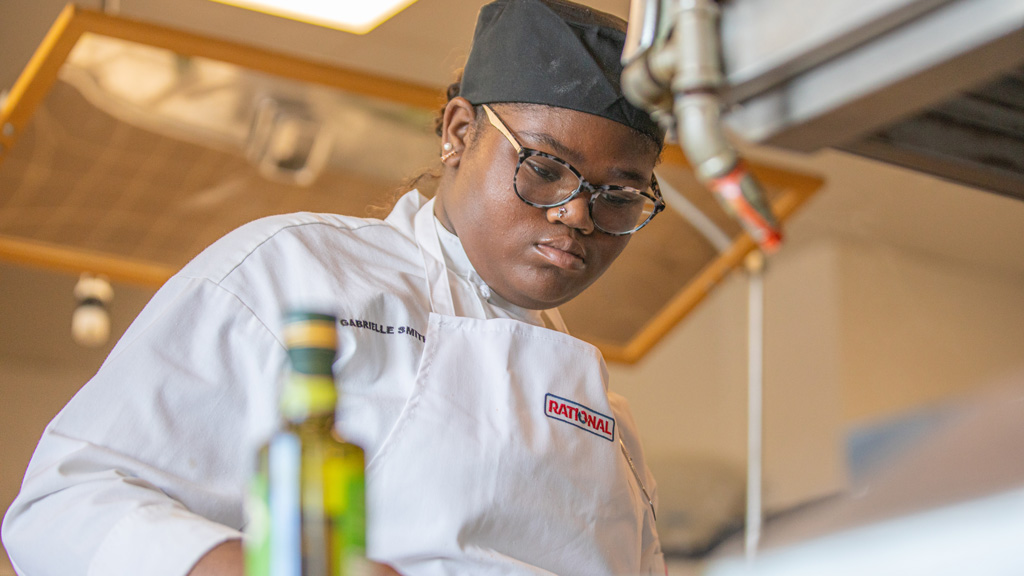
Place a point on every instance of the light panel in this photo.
(355, 16)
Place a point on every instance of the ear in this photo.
(458, 119)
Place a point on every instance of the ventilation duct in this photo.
(933, 85)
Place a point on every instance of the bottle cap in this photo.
(312, 341)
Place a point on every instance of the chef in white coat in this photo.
(494, 445)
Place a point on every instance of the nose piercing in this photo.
(561, 212)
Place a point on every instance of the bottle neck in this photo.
(308, 398)
(319, 424)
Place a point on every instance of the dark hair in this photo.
(426, 181)
(454, 89)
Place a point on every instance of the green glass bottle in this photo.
(307, 511)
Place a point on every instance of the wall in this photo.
(23, 24)
(855, 332)
(41, 369)
(689, 394)
(920, 329)
(33, 393)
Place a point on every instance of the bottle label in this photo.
(345, 506)
(257, 528)
(284, 461)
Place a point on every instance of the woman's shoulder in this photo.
(312, 259)
(301, 240)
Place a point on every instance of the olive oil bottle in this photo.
(307, 498)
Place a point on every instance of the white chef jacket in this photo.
(144, 470)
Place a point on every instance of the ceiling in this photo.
(138, 153)
(425, 44)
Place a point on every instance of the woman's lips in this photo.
(563, 252)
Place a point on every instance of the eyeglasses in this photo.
(546, 181)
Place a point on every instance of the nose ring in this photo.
(561, 212)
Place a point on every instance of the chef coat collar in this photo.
(457, 261)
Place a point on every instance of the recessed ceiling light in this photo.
(355, 16)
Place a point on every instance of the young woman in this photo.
(493, 443)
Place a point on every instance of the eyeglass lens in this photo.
(545, 182)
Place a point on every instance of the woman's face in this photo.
(530, 256)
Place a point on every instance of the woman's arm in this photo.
(227, 560)
(143, 472)
(224, 560)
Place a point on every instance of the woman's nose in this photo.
(574, 214)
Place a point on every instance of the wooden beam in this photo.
(797, 189)
(42, 71)
(263, 60)
(75, 261)
(37, 79)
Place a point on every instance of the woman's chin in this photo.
(542, 296)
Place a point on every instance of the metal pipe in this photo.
(689, 211)
(698, 64)
(754, 264)
(673, 69)
(701, 136)
(698, 120)
(649, 61)
(719, 167)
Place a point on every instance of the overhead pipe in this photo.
(672, 68)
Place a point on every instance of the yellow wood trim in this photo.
(44, 66)
(75, 261)
(39, 75)
(37, 78)
(673, 154)
(797, 189)
(271, 62)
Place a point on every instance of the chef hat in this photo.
(552, 52)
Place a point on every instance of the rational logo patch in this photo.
(579, 416)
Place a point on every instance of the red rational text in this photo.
(579, 416)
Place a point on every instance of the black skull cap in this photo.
(552, 52)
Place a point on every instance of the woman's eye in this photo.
(616, 200)
(542, 172)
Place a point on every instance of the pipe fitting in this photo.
(701, 135)
(719, 167)
(697, 54)
(646, 82)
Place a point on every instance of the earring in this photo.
(561, 212)
(448, 151)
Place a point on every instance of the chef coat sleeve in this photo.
(144, 470)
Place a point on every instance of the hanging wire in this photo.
(689, 211)
(112, 7)
(754, 263)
